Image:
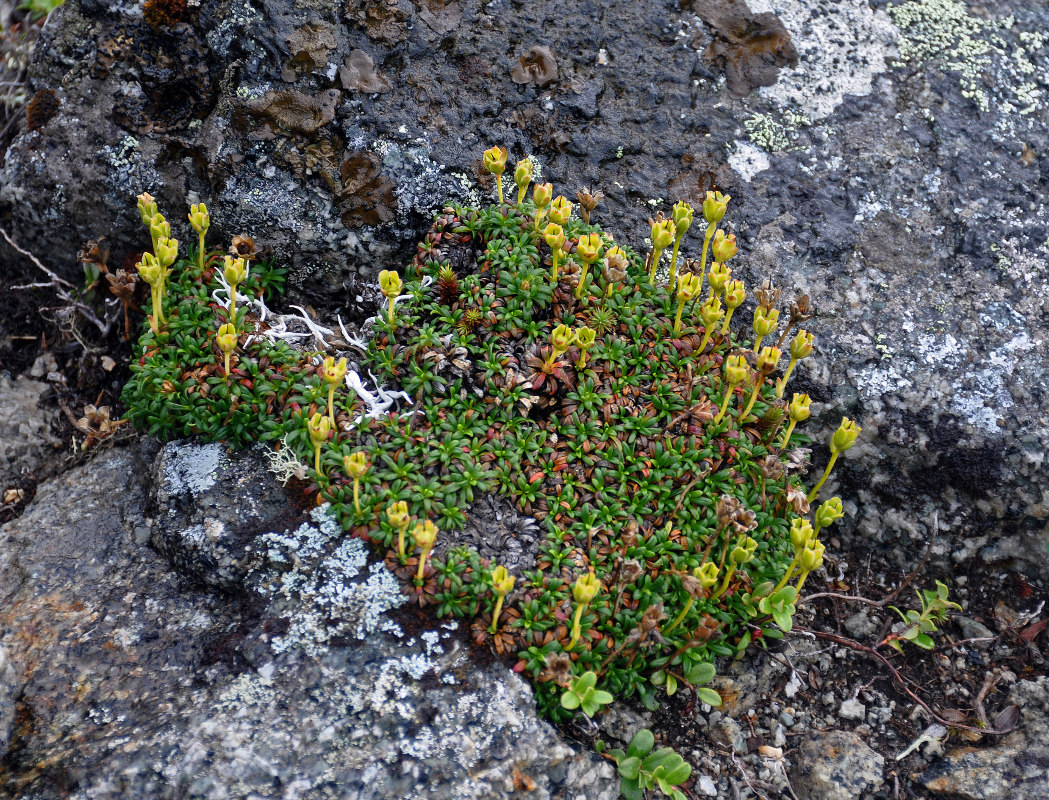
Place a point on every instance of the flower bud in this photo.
(586, 588)
(812, 556)
(765, 320)
(744, 552)
(723, 247)
(845, 436)
(768, 358)
(707, 574)
(390, 283)
(159, 228)
(332, 371)
(735, 294)
(799, 407)
(235, 271)
(800, 533)
(502, 581)
(542, 193)
(829, 512)
(736, 370)
(199, 218)
(560, 210)
(318, 427)
(355, 464)
(150, 270)
(682, 214)
(714, 207)
(523, 173)
(227, 338)
(495, 160)
(147, 208)
(561, 338)
(166, 251)
(663, 233)
(555, 236)
(397, 514)
(688, 287)
(425, 535)
(719, 277)
(801, 347)
(589, 248)
(711, 311)
(585, 336)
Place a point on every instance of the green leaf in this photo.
(570, 701)
(783, 619)
(631, 790)
(628, 767)
(671, 685)
(700, 672)
(679, 774)
(642, 743)
(708, 696)
(924, 642)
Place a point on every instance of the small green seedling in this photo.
(780, 604)
(582, 694)
(920, 624)
(641, 769)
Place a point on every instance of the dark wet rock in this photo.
(111, 663)
(836, 765)
(1015, 767)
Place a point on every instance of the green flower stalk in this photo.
(391, 285)
(584, 337)
(495, 163)
(588, 248)
(584, 590)
(798, 411)
(663, 233)
(695, 584)
(741, 554)
(356, 466)
(561, 338)
(425, 534)
(844, 438)
(681, 214)
(318, 427)
(829, 512)
(688, 289)
(200, 220)
(711, 313)
(765, 322)
(502, 584)
(801, 533)
(151, 272)
(159, 228)
(767, 360)
(235, 272)
(735, 294)
(226, 339)
(397, 515)
(718, 277)
(714, 207)
(542, 193)
(554, 236)
(561, 210)
(736, 371)
(523, 177)
(332, 373)
(800, 348)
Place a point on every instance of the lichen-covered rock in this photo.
(113, 667)
(27, 444)
(836, 765)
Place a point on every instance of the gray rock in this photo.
(971, 629)
(26, 441)
(10, 686)
(706, 787)
(1015, 767)
(860, 625)
(728, 732)
(835, 765)
(852, 709)
(175, 687)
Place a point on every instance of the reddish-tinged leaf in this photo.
(1032, 630)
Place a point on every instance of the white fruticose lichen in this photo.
(283, 463)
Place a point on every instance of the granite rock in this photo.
(836, 765)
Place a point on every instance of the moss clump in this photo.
(664, 525)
